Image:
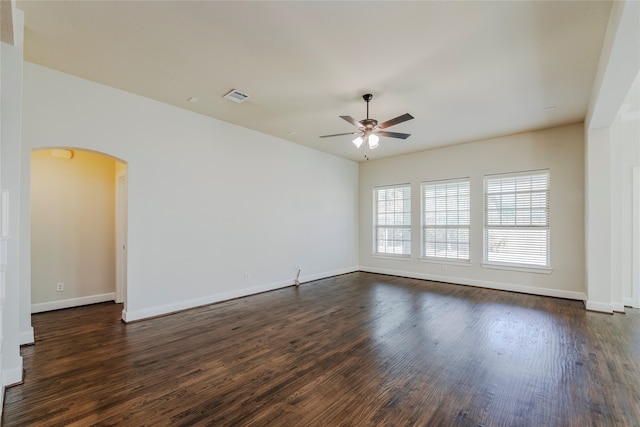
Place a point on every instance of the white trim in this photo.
(446, 261)
(618, 307)
(446, 180)
(130, 316)
(516, 267)
(398, 257)
(4, 215)
(319, 276)
(518, 173)
(547, 292)
(635, 251)
(404, 184)
(121, 244)
(72, 302)
(599, 306)
(27, 337)
(627, 302)
(12, 376)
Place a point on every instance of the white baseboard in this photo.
(12, 376)
(160, 310)
(547, 292)
(72, 302)
(628, 302)
(599, 306)
(311, 277)
(618, 307)
(26, 337)
(133, 315)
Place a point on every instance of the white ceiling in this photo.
(465, 70)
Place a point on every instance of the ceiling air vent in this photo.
(237, 96)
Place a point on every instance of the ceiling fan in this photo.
(370, 129)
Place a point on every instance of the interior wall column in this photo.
(598, 220)
(11, 120)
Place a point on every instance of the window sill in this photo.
(444, 261)
(538, 270)
(392, 256)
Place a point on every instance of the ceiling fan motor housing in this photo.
(369, 124)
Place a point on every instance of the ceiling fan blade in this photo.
(352, 121)
(394, 134)
(340, 134)
(399, 119)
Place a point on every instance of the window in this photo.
(445, 219)
(392, 220)
(517, 219)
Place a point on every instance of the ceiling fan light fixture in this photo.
(368, 128)
(373, 141)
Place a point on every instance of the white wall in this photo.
(72, 229)
(559, 149)
(208, 201)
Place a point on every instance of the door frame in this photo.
(635, 252)
(122, 181)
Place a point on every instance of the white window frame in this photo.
(532, 221)
(438, 217)
(403, 228)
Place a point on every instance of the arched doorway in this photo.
(78, 228)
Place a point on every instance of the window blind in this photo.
(393, 220)
(446, 219)
(517, 219)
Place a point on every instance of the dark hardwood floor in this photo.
(354, 350)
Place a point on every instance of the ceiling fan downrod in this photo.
(367, 97)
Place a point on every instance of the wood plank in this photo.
(357, 349)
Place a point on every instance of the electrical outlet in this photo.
(444, 267)
(246, 276)
(297, 268)
(60, 287)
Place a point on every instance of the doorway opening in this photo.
(78, 229)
